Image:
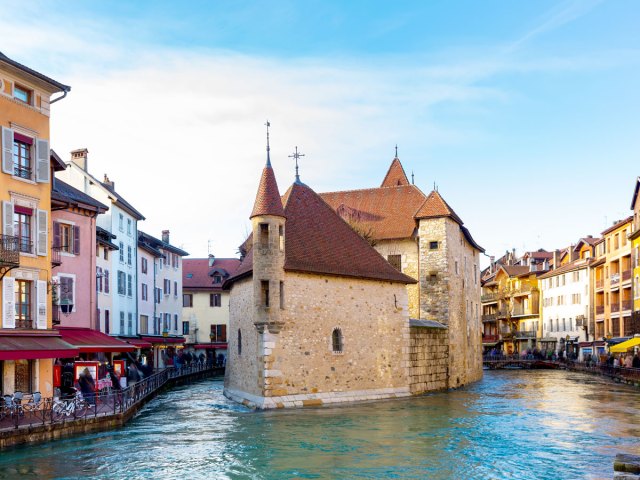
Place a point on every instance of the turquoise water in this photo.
(513, 425)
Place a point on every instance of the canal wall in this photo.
(428, 360)
(48, 431)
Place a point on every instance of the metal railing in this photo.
(24, 324)
(599, 309)
(56, 258)
(29, 412)
(599, 284)
(490, 338)
(525, 334)
(626, 275)
(489, 317)
(9, 250)
(614, 279)
(627, 304)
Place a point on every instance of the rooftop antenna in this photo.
(268, 148)
(296, 156)
(208, 247)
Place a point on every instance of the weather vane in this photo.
(267, 124)
(296, 156)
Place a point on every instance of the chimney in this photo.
(532, 266)
(212, 260)
(555, 259)
(79, 157)
(108, 183)
(545, 264)
(165, 236)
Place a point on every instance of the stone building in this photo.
(317, 315)
(424, 238)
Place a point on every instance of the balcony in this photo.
(614, 279)
(24, 324)
(627, 304)
(489, 297)
(599, 284)
(615, 307)
(600, 310)
(490, 338)
(626, 275)
(56, 258)
(525, 334)
(523, 290)
(632, 326)
(490, 317)
(9, 252)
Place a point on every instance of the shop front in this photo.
(165, 349)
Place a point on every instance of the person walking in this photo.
(636, 361)
(87, 386)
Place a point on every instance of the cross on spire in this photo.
(267, 124)
(296, 155)
(396, 150)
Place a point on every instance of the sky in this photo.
(524, 114)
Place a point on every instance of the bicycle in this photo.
(75, 406)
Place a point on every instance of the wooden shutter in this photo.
(106, 281)
(43, 171)
(41, 304)
(8, 302)
(7, 219)
(56, 234)
(223, 333)
(43, 234)
(76, 240)
(7, 150)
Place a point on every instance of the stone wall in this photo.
(242, 370)
(428, 359)
(408, 249)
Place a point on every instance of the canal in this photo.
(537, 424)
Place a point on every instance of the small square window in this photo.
(23, 94)
(433, 245)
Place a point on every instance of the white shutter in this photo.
(41, 306)
(42, 159)
(43, 237)
(7, 150)
(7, 219)
(8, 302)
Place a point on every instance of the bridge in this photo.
(498, 362)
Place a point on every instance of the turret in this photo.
(268, 226)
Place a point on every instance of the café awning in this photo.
(91, 341)
(25, 347)
(624, 346)
(138, 343)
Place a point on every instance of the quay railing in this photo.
(620, 373)
(31, 409)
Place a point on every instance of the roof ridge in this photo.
(373, 188)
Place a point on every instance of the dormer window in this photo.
(23, 94)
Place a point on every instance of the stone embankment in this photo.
(51, 419)
(626, 467)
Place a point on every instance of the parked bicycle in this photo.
(75, 406)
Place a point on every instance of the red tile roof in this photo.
(515, 270)
(319, 241)
(435, 206)
(197, 274)
(268, 200)
(387, 212)
(395, 176)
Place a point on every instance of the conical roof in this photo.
(268, 200)
(395, 175)
(435, 206)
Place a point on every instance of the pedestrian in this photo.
(636, 361)
(628, 361)
(87, 386)
(133, 375)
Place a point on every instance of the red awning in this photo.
(24, 347)
(217, 346)
(163, 340)
(89, 341)
(136, 342)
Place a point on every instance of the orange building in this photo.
(28, 343)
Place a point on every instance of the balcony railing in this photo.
(599, 309)
(614, 279)
(24, 324)
(599, 284)
(9, 251)
(615, 307)
(55, 315)
(632, 326)
(490, 338)
(627, 304)
(525, 334)
(626, 275)
(490, 317)
(56, 258)
(489, 297)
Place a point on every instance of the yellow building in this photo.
(511, 309)
(612, 281)
(27, 342)
(635, 255)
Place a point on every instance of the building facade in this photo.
(121, 220)
(28, 342)
(635, 256)
(205, 306)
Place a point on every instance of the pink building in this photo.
(74, 256)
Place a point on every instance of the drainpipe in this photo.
(64, 94)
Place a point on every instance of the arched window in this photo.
(239, 342)
(336, 340)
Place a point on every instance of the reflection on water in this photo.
(512, 425)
